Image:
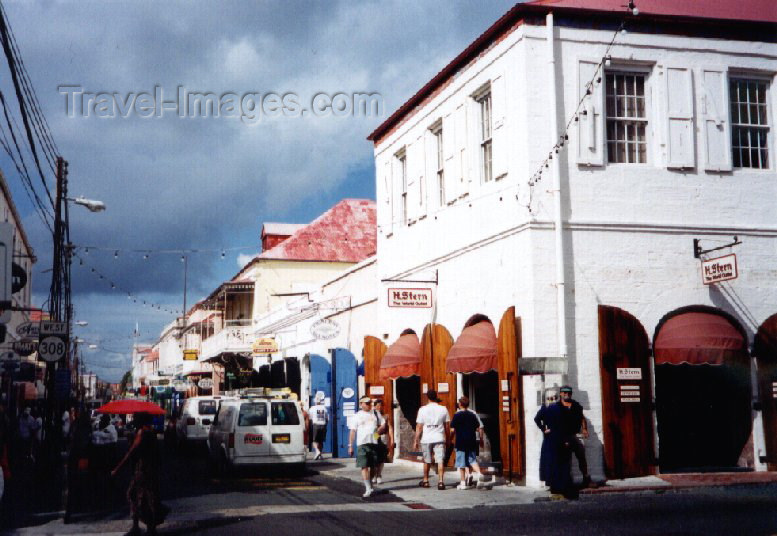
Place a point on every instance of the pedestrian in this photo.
(551, 396)
(365, 430)
(66, 416)
(433, 432)
(574, 425)
(78, 464)
(37, 434)
(465, 426)
(319, 417)
(26, 430)
(385, 440)
(143, 491)
(555, 469)
(104, 441)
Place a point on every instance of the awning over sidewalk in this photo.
(402, 359)
(698, 338)
(474, 350)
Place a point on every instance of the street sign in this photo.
(24, 347)
(719, 269)
(28, 329)
(53, 340)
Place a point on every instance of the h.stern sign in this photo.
(410, 297)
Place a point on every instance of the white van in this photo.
(196, 417)
(257, 430)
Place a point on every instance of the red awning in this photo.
(696, 339)
(403, 358)
(474, 350)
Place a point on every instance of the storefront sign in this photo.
(719, 269)
(630, 399)
(264, 345)
(629, 373)
(28, 329)
(190, 355)
(325, 329)
(424, 388)
(24, 347)
(442, 388)
(205, 383)
(376, 390)
(410, 297)
(505, 385)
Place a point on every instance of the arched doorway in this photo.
(765, 352)
(702, 372)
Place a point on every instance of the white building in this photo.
(568, 167)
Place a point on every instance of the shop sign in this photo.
(629, 373)
(376, 390)
(28, 329)
(410, 297)
(442, 388)
(264, 345)
(205, 383)
(719, 269)
(190, 355)
(325, 329)
(24, 347)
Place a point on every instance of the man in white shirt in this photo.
(432, 429)
(365, 430)
(319, 417)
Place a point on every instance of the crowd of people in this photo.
(438, 436)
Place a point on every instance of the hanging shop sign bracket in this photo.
(698, 251)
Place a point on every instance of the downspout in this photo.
(557, 223)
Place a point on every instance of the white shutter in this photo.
(430, 170)
(471, 160)
(679, 128)
(590, 124)
(423, 177)
(411, 168)
(386, 208)
(460, 179)
(716, 128)
(499, 141)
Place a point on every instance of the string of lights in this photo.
(563, 137)
(86, 249)
(118, 288)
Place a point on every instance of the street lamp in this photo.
(91, 204)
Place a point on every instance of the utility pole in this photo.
(185, 260)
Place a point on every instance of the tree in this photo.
(125, 380)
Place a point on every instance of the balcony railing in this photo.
(230, 339)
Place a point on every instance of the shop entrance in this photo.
(483, 392)
(702, 391)
(408, 393)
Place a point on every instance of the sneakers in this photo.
(378, 480)
(317, 456)
(464, 485)
(368, 493)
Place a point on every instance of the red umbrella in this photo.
(126, 407)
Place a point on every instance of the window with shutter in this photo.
(590, 131)
(485, 129)
(679, 129)
(401, 170)
(715, 124)
(499, 131)
(749, 123)
(626, 118)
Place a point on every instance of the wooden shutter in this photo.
(765, 351)
(716, 127)
(499, 158)
(627, 425)
(511, 435)
(435, 344)
(679, 127)
(590, 124)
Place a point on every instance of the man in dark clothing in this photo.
(555, 458)
(573, 424)
(465, 424)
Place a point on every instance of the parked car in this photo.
(196, 417)
(258, 430)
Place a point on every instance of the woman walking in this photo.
(143, 491)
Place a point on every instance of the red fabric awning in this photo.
(696, 339)
(474, 350)
(403, 358)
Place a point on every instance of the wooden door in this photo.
(374, 350)
(511, 436)
(765, 351)
(435, 344)
(627, 414)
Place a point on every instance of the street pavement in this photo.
(326, 498)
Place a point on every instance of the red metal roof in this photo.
(153, 356)
(762, 12)
(344, 233)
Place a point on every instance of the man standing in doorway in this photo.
(319, 417)
(433, 432)
(573, 423)
(365, 430)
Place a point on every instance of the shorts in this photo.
(433, 452)
(465, 458)
(382, 450)
(318, 432)
(366, 456)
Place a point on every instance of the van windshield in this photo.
(207, 407)
(284, 413)
(252, 414)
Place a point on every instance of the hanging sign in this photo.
(52, 345)
(28, 329)
(205, 383)
(719, 269)
(410, 297)
(325, 329)
(24, 347)
(190, 355)
(264, 345)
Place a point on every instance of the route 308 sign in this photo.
(53, 341)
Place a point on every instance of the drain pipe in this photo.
(557, 223)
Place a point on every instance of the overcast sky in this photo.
(173, 183)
